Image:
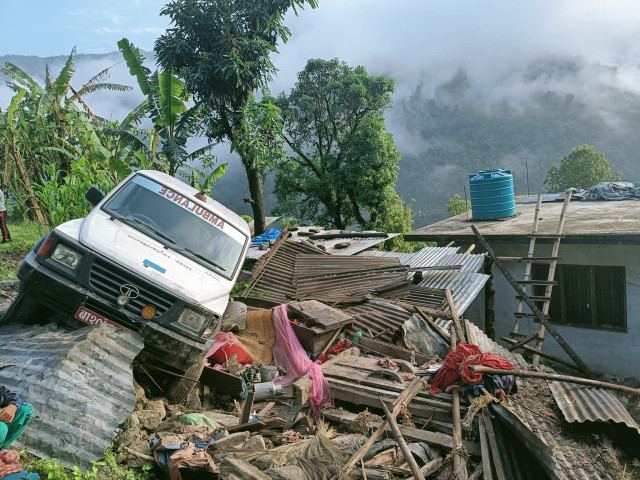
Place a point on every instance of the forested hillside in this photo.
(449, 125)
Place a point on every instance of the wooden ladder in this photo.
(521, 340)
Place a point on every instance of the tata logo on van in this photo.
(128, 292)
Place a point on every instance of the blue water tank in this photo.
(492, 194)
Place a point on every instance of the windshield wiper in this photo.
(191, 253)
(155, 231)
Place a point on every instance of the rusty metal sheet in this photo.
(572, 458)
(80, 384)
(417, 295)
(377, 316)
(580, 404)
(345, 279)
(274, 279)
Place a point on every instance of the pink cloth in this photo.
(288, 353)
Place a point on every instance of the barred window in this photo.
(588, 296)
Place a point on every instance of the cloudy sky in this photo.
(408, 34)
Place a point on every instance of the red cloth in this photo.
(224, 353)
(341, 345)
(225, 346)
(455, 371)
(9, 463)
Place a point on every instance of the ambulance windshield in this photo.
(179, 223)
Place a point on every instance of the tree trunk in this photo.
(257, 202)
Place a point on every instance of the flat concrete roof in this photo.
(592, 222)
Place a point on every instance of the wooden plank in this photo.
(484, 446)
(393, 351)
(246, 408)
(264, 424)
(531, 304)
(222, 382)
(337, 378)
(264, 410)
(365, 395)
(437, 439)
(495, 451)
(315, 313)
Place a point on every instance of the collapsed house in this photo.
(368, 331)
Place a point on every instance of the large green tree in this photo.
(344, 162)
(222, 48)
(584, 167)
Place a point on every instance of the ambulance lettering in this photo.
(192, 207)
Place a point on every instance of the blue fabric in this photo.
(268, 235)
(23, 475)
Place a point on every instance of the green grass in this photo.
(24, 236)
(104, 469)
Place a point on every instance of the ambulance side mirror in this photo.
(94, 196)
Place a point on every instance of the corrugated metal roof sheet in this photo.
(417, 295)
(80, 384)
(580, 403)
(464, 286)
(345, 279)
(404, 258)
(356, 246)
(479, 338)
(572, 460)
(376, 316)
(275, 275)
(447, 256)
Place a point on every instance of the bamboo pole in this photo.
(455, 318)
(553, 377)
(459, 464)
(416, 385)
(532, 305)
(552, 273)
(408, 456)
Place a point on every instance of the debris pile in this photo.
(347, 367)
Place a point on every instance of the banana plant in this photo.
(168, 106)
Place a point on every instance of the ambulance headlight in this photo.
(66, 256)
(192, 320)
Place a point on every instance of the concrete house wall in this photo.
(603, 351)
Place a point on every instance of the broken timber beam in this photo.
(456, 320)
(524, 341)
(541, 353)
(411, 390)
(531, 304)
(553, 377)
(437, 439)
(408, 456)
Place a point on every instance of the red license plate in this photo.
(91, 318)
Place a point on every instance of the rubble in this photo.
(321, 372)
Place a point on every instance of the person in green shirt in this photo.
(14, 416)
